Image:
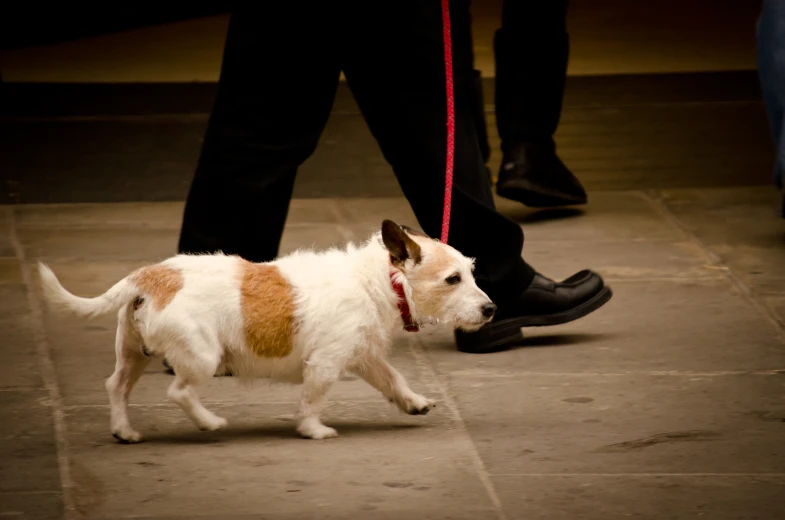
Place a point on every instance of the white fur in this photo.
(346, 314)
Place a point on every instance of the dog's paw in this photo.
(325, 432)
(216, 423)
(419, 405)
(317, 432)
(127, 436)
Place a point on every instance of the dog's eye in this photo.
(454, 279)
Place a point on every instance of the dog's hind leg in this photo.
(129, 367)
(194, 363)
(378, 373)
(319, 375)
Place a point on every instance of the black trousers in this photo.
(278, 81)
(531, 51)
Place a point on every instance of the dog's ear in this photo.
(414, 232)
(399, 244)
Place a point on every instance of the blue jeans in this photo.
(771, 71)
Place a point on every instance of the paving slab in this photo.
(147, 245)
(621, 260)
(578, 423)
(81, 245)
(319, 513)
(121, 215)
(27, 443)
(356, 511)
(677, 497)
(609, 216)
(741, 226)
(18, 354)
(10, 271)
(44, 505)
(382, 461)
(777, 305)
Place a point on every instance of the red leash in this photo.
(450, 121)
(409, 324)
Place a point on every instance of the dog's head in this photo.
(441, 280)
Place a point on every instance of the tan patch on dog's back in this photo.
(267, 305)
(435, 266)
(159, 282)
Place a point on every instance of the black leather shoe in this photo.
(534, 175)
(543, 303)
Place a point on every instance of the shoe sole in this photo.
(502, 335)
(538, 199)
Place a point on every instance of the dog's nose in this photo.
(488, 310)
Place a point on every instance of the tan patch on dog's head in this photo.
(159, 282)
(428, 282)
(268, 310)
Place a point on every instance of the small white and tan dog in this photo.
(304, 318)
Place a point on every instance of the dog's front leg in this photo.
(319, 375)
(382, 376)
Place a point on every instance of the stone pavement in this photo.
(669, 403)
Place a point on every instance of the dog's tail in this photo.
(122, 293)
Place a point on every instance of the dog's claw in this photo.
(132, 438)
(217, 423)
(423, 410)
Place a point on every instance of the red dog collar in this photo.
(409, 324)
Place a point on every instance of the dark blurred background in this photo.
(108, 103)
(28, 24)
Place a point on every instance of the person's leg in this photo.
(278, 81)
(480, 122)
(531, 51)
(394, 65)
(277, 85)
(771, 71)
(395, 68)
